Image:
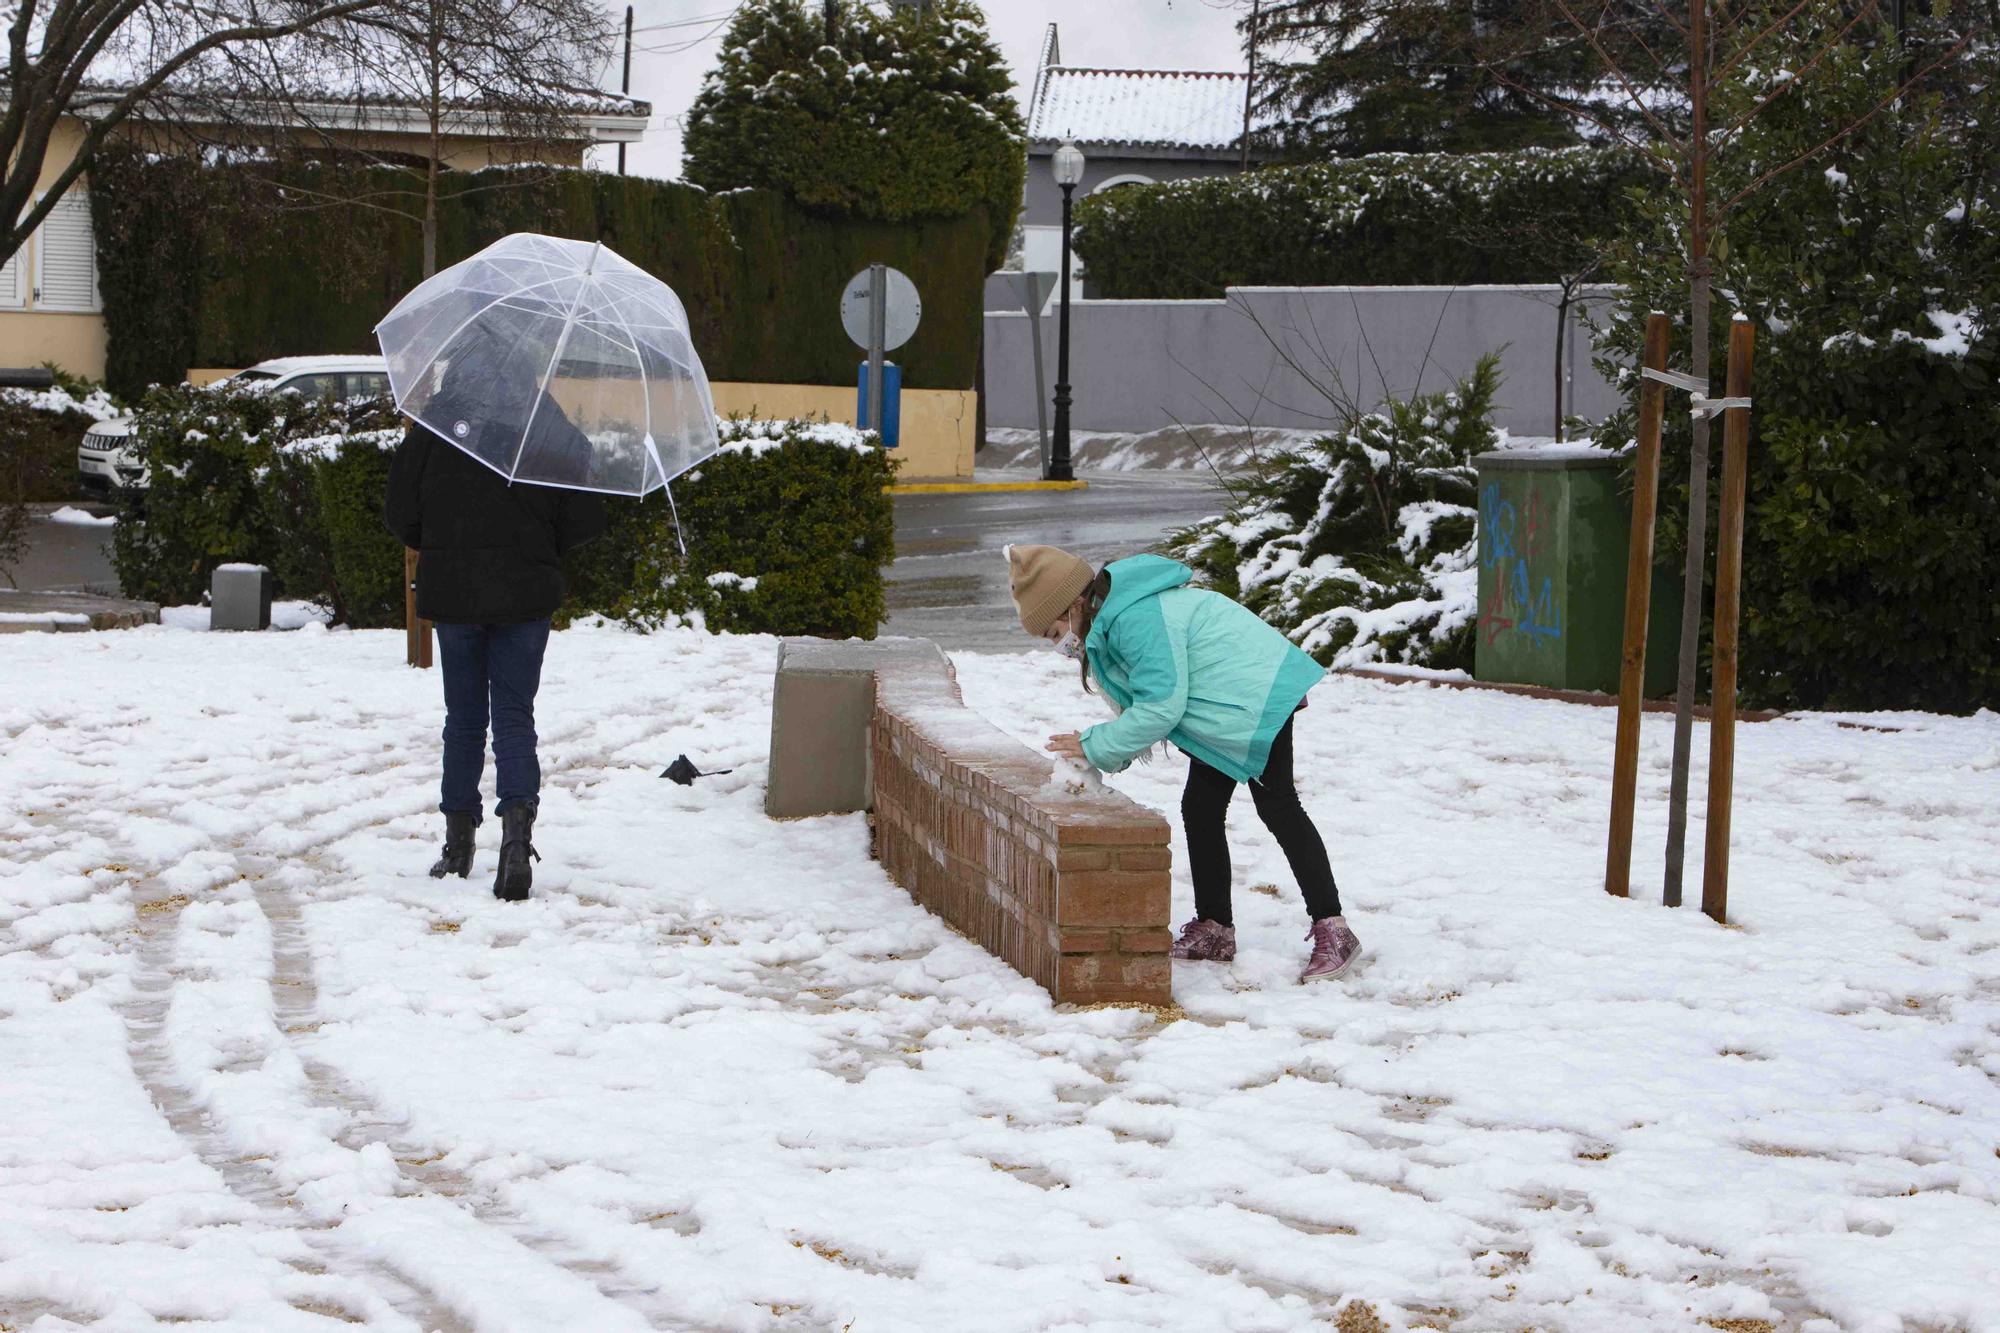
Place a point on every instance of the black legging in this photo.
(1204, 806)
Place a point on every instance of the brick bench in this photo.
(1071, 890)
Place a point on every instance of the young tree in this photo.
(105, 61)
(900, 115)
(1348, 77)
(1740, 61)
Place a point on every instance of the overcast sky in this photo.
(676, 42)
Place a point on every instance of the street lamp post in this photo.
(1068, 166)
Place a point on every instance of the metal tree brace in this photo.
(1697, 388)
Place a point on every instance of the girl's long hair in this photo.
(1093, 601)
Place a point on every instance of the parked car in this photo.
(106, 460)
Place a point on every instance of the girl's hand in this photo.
(1069, 745)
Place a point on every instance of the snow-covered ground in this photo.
(259, 1073)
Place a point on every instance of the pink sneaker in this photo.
(1205, 941)
(1335, 948)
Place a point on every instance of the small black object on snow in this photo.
(684, 772)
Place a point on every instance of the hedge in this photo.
(788, 528)
(1392, 219)
(215, 266)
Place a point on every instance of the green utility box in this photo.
(1554, 536)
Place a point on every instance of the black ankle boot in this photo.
(460, 827)
(516, 876)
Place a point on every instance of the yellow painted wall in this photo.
(938, 424)
(75, 343)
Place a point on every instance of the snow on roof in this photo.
(1154, 108)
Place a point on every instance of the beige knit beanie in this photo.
(1044, 581)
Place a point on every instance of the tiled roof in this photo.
(1154, 108)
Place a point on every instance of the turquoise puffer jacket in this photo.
(1189, 666)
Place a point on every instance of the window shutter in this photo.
(13, 292)
(66, 257)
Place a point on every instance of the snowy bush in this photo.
(788, 530)
(1445, 218)
(1360, 545)
(239, 474)
(900, 116)
(1871, 559)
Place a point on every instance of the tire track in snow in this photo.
(249, 1180)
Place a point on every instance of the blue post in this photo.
(892, 403)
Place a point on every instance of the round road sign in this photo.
(901, 310)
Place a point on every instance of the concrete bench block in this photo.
(820, 712)
(240, 598)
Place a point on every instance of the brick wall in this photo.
(1070, 890)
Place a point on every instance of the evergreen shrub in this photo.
(901, 116)
(213, 266)
(1387, 220)
(1871, 549)
(1360, 544)
(788, 529)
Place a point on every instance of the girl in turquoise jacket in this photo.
(1191, 667)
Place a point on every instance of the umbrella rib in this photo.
(645, 396)
(463, 325)
(562, 340)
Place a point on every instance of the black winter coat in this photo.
(492, 551)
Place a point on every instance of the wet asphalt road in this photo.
(949, 582)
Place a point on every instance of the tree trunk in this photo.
(1562, 340)
(1697, 529)
(435, 69)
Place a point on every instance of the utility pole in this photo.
(625, 83)
(832, 20)
(1250, 87)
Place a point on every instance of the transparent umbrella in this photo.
(554, 362)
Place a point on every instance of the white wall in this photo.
(1272, 356)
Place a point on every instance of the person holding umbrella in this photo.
(538, 376)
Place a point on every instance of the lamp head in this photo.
(1068, 165)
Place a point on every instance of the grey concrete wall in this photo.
(1280, 356)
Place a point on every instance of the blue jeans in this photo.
(497, 667)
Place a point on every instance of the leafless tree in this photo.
(107, 62)
(515, 75)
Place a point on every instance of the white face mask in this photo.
(1070, 646)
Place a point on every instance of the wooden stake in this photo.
(1728, 612)
(416, 630)
(1638, 606)
(410, 627)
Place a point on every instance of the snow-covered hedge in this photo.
(1360, 545)
(787, 529)
(1393, 218)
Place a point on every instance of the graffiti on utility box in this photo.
(1519, 599)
